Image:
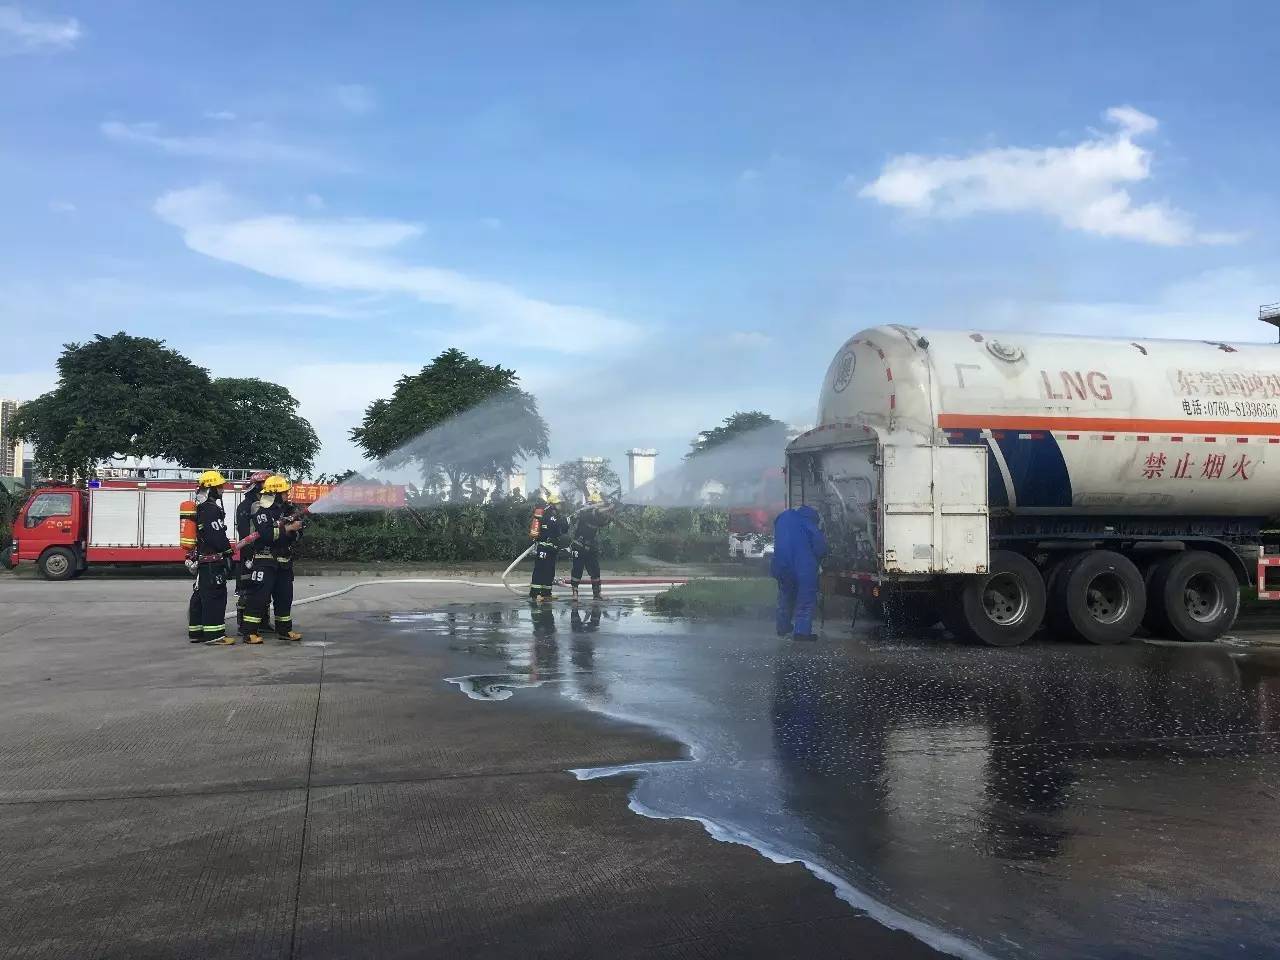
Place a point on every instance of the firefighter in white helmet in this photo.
(207, 611)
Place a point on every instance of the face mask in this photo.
(267, 499)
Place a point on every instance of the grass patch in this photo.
(754, 597)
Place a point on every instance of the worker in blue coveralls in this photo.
(798, 546)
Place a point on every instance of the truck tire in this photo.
(1098, 597)
(57, 563)
(1198, 595)
(1000, 608)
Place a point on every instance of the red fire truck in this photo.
(132, 517)
(115, 519)
(751, 521)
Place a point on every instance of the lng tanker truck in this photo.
(997, 481)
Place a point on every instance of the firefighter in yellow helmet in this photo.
(207, 611)
(547, 529)
(585, 548)
(271, 581)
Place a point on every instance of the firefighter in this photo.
(585, 548)
(271, 581)
(244, 527)
(547, 529)
(207, 611)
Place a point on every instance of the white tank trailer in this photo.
(994, 480)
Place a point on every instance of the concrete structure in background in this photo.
(641, 467)
(11, 450)
(547, 479)
(516, 481)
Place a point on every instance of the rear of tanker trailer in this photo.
(1001, 481)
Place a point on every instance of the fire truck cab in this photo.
(116, 518)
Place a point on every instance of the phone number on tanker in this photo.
(1244, 409)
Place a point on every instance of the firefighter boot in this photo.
(575, 592)
(223, 641)
(292, 635)
(253, 638)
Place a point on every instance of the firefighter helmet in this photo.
(594, 497)
(553, 498)
(259, 478)
(275, 484)
(212, 478)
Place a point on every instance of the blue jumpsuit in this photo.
(798, 545)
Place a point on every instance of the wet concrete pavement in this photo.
(338, 798)
(399, 786)
(1051, 801)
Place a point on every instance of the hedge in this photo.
(460, 533)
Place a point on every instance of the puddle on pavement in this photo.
(1047, 801)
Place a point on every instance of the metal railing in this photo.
(1269, 312)
(166, 473)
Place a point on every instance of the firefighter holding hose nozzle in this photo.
(207, 610)
(271, 579)
(585, 548)
(546, 528)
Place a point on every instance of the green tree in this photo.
(585, 477)
(258, 426)
(742, 456)
(458, 420)
(135, 397)
(119, 395)
(759, 426)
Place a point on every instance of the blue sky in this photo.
(656, 212)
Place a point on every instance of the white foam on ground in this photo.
(882, 913)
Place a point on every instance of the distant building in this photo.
(547, 479)
(11, 449)
(641, 467)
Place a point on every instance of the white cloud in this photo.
(224, 146)
(355, 255)
(314, 201)
(355, 98)
(62, 206)
(219, 115)
(20, 33)
(1081, 186)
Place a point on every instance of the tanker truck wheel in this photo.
(1098, 597)
(1003, 607)
(1197, 594)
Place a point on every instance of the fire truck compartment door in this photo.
(935, 517)
(160, 517)
(114, 518)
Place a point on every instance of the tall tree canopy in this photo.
(742, 455)
(458, 419)
(759, 426)
(258, 426)
(135, 397)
